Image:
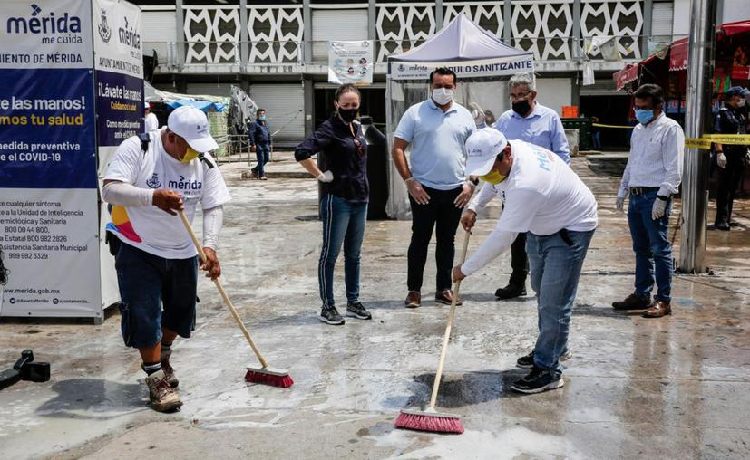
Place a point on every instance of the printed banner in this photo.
(118, 63)
(48, 194)
(350, 62)
(488, 68)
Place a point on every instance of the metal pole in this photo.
(697, 119)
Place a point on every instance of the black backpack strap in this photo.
(145, 140)
(208, 163)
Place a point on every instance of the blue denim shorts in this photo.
(148, 283)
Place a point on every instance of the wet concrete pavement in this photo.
(677, 387)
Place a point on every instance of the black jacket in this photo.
(342, 156)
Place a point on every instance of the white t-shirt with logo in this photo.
(147, 227)
(542, 195)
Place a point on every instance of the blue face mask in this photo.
(262, 118)
(644, 116)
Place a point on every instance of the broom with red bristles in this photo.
(430, 419)
(263, 374)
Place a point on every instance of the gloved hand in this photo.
(721, 160)
(477, 114)
(620, 204)
(659, 209)
(326, 177)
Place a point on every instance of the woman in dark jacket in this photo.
(343, 202)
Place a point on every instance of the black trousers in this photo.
(729, 180)
(444, 216)
(519, 261)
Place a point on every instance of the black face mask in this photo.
(348, 115)
(521, 107)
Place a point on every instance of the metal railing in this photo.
(177, 55)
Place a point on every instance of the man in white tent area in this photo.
(150, 122)
(544, 197)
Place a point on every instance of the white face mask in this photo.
(741, 103)
(442, 96)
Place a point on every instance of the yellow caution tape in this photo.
(701, 144)
(599, 125)
(724, 139)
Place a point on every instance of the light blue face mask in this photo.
(262, 118)
(644, 115)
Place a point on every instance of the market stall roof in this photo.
(464, 47)
(626, 75)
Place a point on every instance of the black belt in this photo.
(642, 190)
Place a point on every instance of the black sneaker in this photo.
(510, 291)
(537, 381)
(331, 316)
(357, 310)
(633, 302)
(527, 362)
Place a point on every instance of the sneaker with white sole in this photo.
(163, 397)
(527, 362)
(357, 310)
(537, 381)
(329, 315)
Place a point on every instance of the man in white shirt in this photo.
(147, 181)
(652, 176)
(150, 122)
(544, 198)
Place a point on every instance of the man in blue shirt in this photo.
(536, 124)
(259, 136)
(436, 129)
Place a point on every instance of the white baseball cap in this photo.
(191, 124)
(146, 105)
(482, 148)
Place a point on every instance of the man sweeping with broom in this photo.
(544, 197)
(148, 182)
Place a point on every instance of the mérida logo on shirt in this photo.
(153, 181)
(182, 184)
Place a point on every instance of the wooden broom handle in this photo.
(448, 327)
(223, 293)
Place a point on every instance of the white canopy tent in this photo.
(480, 61)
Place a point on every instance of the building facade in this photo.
(277, 51)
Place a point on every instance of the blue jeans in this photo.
(343, 222)
(262, 152)
(651, 246)
(555, 270)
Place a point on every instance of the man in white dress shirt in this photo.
(544, 198)
(651, 178)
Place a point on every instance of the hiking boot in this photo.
(633, 302)
(413, 300)
(254, 172)
(446, 298)
(658, 310)
(527, 362)
(537, 381)
(511, 291)
(174, 382)
(329, 315)
(357, 310)
(163, 397)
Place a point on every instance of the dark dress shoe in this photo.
(633, 302)
(510, 291)
(722, 226)
(446, 297)
(658, 310)
(413, 299)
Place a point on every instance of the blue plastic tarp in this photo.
(202, 105)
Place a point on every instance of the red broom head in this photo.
(432, 423)
(268, 379)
